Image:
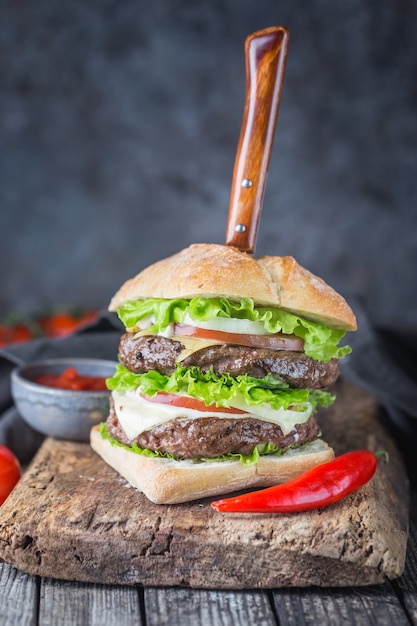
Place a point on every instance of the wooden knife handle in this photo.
(265, 58)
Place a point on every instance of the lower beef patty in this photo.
(212, 436)
(150, 352)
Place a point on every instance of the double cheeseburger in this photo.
(225, 360)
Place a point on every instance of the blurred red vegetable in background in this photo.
(14, 333)
(63, 323)
(57, 324)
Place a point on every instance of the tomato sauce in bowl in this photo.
(63, 397)
(72, 380)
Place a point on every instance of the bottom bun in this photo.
(166, 481)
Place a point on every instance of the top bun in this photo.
(214, 270)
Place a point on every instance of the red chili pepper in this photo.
(318, 487)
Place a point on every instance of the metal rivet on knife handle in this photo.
(265, 58)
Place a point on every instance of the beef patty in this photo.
(188, 438)
(151, 352)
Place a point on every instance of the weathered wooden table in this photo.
(27, 600)
(31, 599)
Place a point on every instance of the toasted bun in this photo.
(214, 270)
(165, 481)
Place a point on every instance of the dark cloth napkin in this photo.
(382, 363)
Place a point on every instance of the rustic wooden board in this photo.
(72, 517)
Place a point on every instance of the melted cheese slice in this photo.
(136, 414)
(191, 344)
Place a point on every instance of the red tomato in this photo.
(9, 472)
(277, 341)
(62, 324)
(14, 333)
(187, 402)
(21, 332)
(4, 335)
(58, 324)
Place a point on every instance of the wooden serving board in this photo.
(72, 517)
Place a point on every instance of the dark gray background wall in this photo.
(119, 125)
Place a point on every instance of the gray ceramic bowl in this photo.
(56, 412)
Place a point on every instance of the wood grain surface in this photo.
(72, 517)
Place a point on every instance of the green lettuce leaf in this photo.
(219, 390)
(320, 341)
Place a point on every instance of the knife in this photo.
(265, 60)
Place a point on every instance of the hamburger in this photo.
(225, 361)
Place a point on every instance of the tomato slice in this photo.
(277, 341)
(187, 402)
